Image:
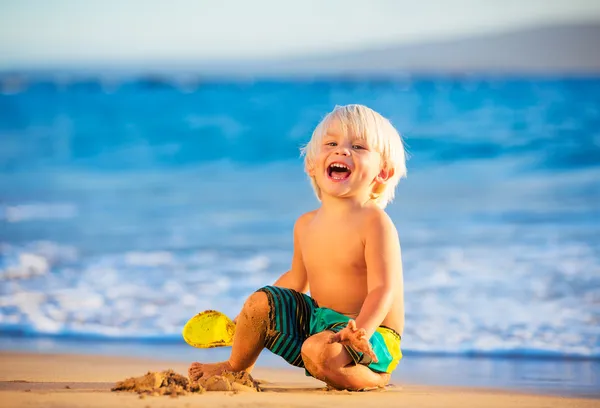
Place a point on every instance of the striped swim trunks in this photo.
(294, 317)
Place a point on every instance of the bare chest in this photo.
(332, 248)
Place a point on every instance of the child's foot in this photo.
(199, 370)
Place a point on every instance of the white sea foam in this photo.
(148, 258)
(37, 211)
(27, 265)
(458, 298)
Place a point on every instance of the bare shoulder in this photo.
(377, 221)
(376, 217)
(303, 220)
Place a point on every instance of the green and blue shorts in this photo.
(294, 317)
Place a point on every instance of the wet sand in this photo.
(42, 380)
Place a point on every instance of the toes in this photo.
(195, 371)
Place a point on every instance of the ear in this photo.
(384, 175)
(310, 169)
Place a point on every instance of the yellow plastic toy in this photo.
(209, 329)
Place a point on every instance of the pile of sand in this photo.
(163, 383)
(173, 384)
(229, 381)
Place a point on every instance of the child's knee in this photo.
(312, 356)
(318, 350)
(309, 349)
(257, 304)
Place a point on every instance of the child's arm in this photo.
(296, 277)
(384, 269)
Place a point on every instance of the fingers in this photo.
(361, 334)
(365, 348)
(361, 343)
(352, 325)
(356, 338)
(372, 354)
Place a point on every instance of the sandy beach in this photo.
(43, 380)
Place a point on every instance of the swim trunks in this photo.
(294, 317)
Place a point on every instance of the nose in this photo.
(342, 151)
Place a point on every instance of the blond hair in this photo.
(377, 131)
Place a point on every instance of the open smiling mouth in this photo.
(338, 171)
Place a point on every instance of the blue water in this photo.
(127, 206)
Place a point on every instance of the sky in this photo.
(39, 33)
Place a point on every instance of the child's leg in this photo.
(332, 364)
(248, 341)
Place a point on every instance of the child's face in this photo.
(345, 165)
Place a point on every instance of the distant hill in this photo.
(564, 49)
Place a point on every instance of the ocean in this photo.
(129, 205)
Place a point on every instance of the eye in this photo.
(331, 144)
(357, 147)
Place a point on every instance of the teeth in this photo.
(339, 166)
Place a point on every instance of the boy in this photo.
(347, 253)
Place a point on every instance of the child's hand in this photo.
(355, 338)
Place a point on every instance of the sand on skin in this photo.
(42, 380)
